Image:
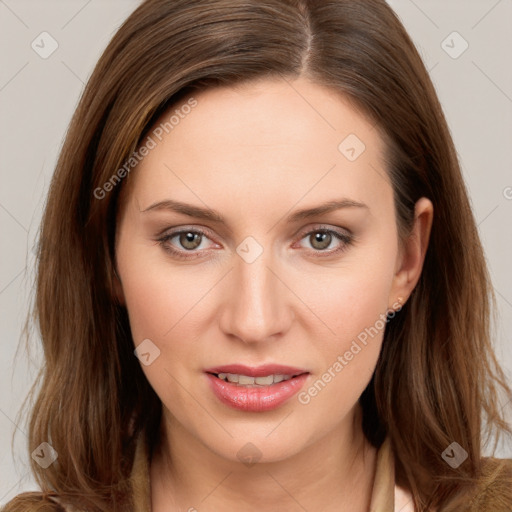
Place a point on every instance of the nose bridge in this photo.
(257, 307)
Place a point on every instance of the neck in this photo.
(334, 473)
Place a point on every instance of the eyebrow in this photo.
(212, 215)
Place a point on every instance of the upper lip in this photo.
(257, 371)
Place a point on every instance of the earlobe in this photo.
(413, 252)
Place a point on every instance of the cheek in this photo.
(347, 300)
(350, 305)
(157, 295)
(160, 304)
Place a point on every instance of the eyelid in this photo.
(324, 227)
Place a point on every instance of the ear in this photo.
(412, 255)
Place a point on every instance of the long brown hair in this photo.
(437, 376)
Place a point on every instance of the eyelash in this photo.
(347, 240)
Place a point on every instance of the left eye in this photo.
(321, 239)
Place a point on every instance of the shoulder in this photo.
(491, 491)
(36, 501)
(494, 489)
(39, 501)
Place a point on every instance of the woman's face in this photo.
(276, 277)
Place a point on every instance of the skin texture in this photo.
(256, 154)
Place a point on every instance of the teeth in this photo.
(264, 381)
(246, 380)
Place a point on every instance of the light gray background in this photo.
(38, 96)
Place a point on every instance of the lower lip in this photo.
(258, 398)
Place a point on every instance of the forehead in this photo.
(274, 140)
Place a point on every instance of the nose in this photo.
(258, 305)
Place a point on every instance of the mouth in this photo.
(249, 381)
(264, 375)
(255, 389)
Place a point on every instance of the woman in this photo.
(260, 282)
